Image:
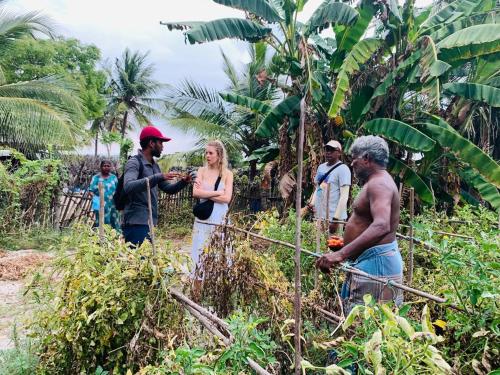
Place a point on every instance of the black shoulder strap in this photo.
(141, 167)
(217, 183)
(327, 173)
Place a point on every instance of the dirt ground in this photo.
(15, 269)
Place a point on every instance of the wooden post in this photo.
(150, 218)
(410, 251)
(101, 212)
(327, 212)
(318, 249)
(298, 224)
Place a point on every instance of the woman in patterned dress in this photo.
(109, 181)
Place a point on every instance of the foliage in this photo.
(38, 113)
(132, 92)
(387, 342)
(109, 305)
(249, 342)
(30, 59)
(27, 189)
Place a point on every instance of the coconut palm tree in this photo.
(133, 90)
(36, 113)
(210, 114)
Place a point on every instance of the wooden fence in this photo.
(75, 205)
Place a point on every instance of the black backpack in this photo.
(119, 197)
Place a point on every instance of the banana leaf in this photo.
(270, 125)
(260, 8)
(330, 12)
(359, 54)
(467, 151)
(391, 78)
(448, 14)
(467, 43)
(486, 190)
(245, 101)
(411, 178)
(234, 28)
(475, 91)
(401, 133)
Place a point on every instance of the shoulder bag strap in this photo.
(327, 173)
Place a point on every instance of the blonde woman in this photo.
(216, 166)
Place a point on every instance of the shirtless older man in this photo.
(370, 233)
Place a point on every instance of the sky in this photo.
(113, 25)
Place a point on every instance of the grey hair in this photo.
(374, 147)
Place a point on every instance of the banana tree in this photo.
(301, 64)
(445, 63)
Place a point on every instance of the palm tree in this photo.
(36, 113)
(133, 90)
(210, 114)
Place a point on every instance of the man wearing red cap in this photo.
(137, 169)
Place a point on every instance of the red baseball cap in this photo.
(151, 132)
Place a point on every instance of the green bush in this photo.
(109, 305)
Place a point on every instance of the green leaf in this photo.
(330, 12)
(448, 29)
(426, 321)
(394, 8)
(401, 133)
(486, 190)
(246, 101)
(356, 310)
(348, 36)
(260, 8)
(449, 14)
(430, 82)
(475, 91)
(265, 154)
(438, 68)
(467, 151)
(257, 350)
(473, 41)
(233, 28)
(411, 178)
(269, 126)
(360, 53)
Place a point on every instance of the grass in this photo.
(37, 239)
(21, 360)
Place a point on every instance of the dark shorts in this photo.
(383, 261)
(136, 234)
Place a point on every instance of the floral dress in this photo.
(111, 215)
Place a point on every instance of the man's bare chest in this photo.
(361, 205)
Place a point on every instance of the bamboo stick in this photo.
(207, 324)
(256, 367)
(298, 223)
(150, 218)
(101, 212)
(410, 250)
(181, 297)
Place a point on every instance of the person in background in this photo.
(135, 214)
(337, 176)
(370, 233)
(109, 182)
(216, 165)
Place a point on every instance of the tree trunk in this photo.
(124, 124)
(96, 142)
(253, 170)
